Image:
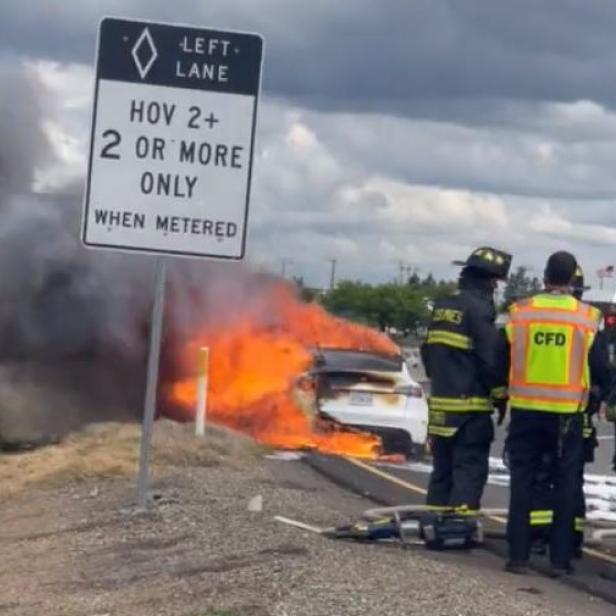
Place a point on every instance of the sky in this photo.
(404, 131)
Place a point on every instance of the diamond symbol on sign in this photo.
(144, 53)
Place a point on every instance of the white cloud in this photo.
(72, 83)
(552, 223)
(370, 189)
(426, 207)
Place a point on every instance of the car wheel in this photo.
(418, 452)
(402, 443)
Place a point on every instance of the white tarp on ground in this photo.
(600, 490)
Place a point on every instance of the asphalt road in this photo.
(370, 563)
(403, 484)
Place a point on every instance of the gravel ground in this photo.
(81, 550)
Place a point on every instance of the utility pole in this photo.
(408, 272)
(332, 277)
(405, 271)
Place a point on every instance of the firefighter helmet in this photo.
(577, 284)
(489, 260)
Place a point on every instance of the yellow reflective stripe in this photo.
(461, 401)
(458, 341)
(519, 350)
(555, 316)
(441, 431)
(541, 517)
(461, 510)
(580, 524)
(465, 510)
(560, 301)
(509, 330)
(498, 393)
(566, 408)
(461, 405)
(563, 308)
(587, 429)
(553, 393)
(578, 357)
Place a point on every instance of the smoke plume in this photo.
(73, 323)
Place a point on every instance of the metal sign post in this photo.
(171, 152)
(149, 407)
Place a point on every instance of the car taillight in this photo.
(414, 391)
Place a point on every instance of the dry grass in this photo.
(112, 450)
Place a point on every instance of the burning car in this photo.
(374, 393)
(263, 379)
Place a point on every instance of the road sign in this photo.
(172, 139)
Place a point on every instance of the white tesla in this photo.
(374, 393)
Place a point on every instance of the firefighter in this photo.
(550, 352)
(589, 432)
(459, 356)
(541, 514)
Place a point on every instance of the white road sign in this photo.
(172, 139)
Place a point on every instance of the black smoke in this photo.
(73, 323)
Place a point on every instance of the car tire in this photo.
(418, 452)
(403, 443)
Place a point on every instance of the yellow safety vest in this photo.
(550, 336)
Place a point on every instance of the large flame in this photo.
(254, 370)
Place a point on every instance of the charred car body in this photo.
(374, 393)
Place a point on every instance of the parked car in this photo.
(374, 393)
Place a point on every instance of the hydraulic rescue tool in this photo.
(412, 525)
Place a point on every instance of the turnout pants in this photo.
(460, 464)
(541, 514)
(532, 436)
(542, 508)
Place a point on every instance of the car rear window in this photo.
(356, 361)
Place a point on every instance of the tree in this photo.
(414, 280)
(429, 281)
(386, 306)
(520, 285)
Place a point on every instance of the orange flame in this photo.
(254, 370)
